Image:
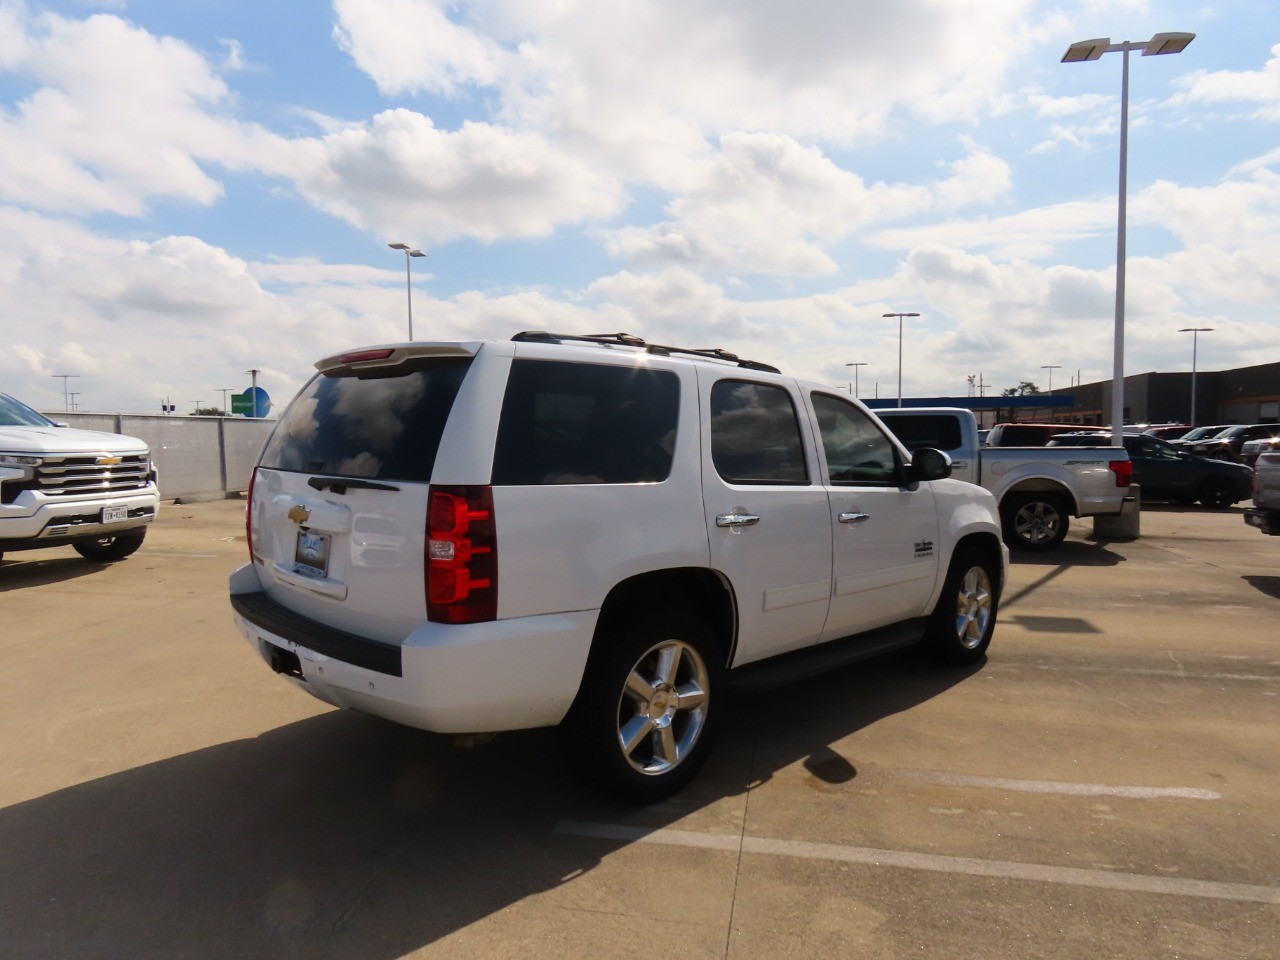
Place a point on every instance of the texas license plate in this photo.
(115, 514)
(312, 554)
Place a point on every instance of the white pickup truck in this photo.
(1038, 488)
(93, 491)
(1265, 512)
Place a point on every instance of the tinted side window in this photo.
(585, 423)
(857, 452)
(755, 436)
(383, 426)
(920, 430)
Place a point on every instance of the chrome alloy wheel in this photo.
(663, 708)
(973, 607)
(1036, 522)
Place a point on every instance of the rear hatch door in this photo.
(339, 504)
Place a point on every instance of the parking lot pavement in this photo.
(1104, 785)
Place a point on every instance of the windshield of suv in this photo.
(16, 414)
(385, 426)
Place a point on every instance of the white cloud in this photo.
(412, 46)
(1237, 86)
(401, 174)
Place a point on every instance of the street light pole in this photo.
(1050, 367)
(254, 389)
(408, 282)
(1195, 337)
(225, 391)
(1161, 43)
(900, 316)
(855, 376)
(64, 377)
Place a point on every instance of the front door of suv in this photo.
(767, 516)
(884, 535)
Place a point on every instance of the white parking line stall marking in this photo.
(1061, 787)
(968, 866)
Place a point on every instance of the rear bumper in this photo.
(1268, 521)
(466, 678)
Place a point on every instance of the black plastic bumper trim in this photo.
(261, 611)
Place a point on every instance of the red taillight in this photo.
(248, 516)
(462, 555)
(364, 356)
(1123, 469)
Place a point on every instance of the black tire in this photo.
(646, 714)
(960, 627)
(1033, 521)
(1217, 494)
(116, 547)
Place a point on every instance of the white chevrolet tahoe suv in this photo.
(91, 490)
(600, 534)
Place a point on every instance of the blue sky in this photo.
(190, 190)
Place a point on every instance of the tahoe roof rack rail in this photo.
(628, 340)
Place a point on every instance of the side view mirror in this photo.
(928, 464)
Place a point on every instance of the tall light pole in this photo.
(225, 391)
(1195, 338)
(64, 377)
(855, 376)
(1051, 368)
(1161, 43)
(254, 389)
(900, 316)
(409, 253)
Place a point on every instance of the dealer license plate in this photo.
(312, 555)
(115, 514)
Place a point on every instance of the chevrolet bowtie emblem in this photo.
(299, 514)
(108, 461)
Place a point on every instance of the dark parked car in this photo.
(1166, 473)
(1027, 434)
(1199, 433)
(1227, 444)
(1168, 431)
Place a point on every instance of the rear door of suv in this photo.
(766, 510)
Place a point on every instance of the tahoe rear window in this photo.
(585, 423)
(384, 425)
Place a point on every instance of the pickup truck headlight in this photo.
(16, 471)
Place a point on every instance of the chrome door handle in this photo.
(737, 520)
(854, 517)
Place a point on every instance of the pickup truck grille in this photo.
(93, 473)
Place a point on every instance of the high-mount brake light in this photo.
(1123, 469)
(362, 356)
(462, 555)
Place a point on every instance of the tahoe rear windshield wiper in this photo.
(339, 485)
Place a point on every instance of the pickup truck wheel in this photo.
(1033, 521)
(643, 721)
(111, 548)
(1217, 494)
(960, 627)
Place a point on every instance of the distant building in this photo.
(1242, 395)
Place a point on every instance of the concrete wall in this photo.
(198, 457)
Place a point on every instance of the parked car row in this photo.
(1163, 472)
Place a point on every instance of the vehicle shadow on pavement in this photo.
(1268, 585)
(16, 574)
(344, 836)
(1070, 553)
